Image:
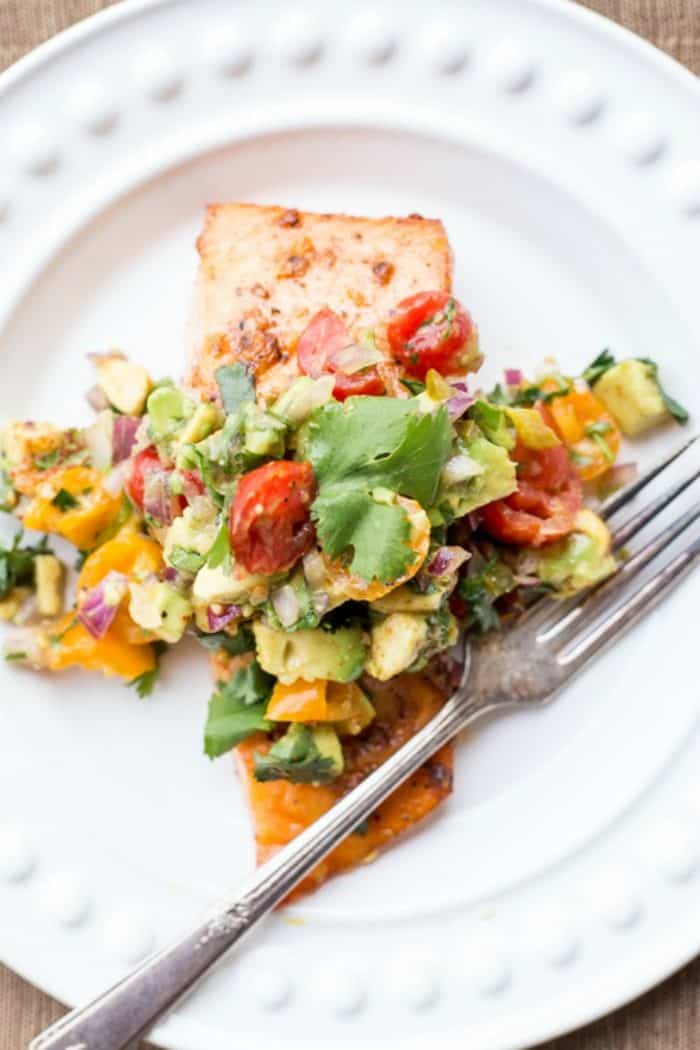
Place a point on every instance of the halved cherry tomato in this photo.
(323, 337)
(270, 523)
(432, 330)
(584, 425)
(544, 507)
(147, 460)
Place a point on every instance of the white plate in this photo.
(562, 153)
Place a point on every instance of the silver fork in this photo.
(525, 665)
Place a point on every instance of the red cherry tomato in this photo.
(270, 523)
(430, 330)
(324, 335)
(544, 507)
(147, 459)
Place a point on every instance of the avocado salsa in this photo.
(322, 542)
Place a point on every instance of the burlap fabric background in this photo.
(667, 1018)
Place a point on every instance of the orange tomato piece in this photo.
(111, 654)
(95, 508)
(281, 810)
(135, 556)
(572, 416)
(345, 701)
(299, 701)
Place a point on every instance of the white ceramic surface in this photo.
(563, 877)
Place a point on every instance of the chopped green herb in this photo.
(16, 656)
(17, 564)
(295, 757)
(64, 500)
(144, 683)
(480, 592)
(236, 386)
(220, 551)
(237, 709)
(47, 459)
(56, 639)
(679, 413)
(527, 397)
(599, 428)
(602, 363)
(186, 560)
(414, 385)
(80, 559)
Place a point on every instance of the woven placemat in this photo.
(668, 1018)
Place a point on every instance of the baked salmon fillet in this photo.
(264, 272)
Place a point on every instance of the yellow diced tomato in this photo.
(111, 654)
(299, 701)
(88, 507)
(134, 555)
(586, 428)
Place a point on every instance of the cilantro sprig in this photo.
(17, 564)
(363, 453)
(296, 757)
(237, 710)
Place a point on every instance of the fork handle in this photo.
(119, 1016)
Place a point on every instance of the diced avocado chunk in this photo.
(631, 394)
(206, 419)
(158, 607)
(300, 399)
(168, 408)
(396, 642)
(235, 585)
(493, 421)
(495, 481)
(309, 654)
(48, 578)
(125, 384)
(264, 433)
(191, 535)
(304, 755)
(407, 599)
(580, 560)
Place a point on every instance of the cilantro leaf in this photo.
(220, 550)
(47, 459)
(378, 532)
(17, 564)
(237, 710)
(236, 386)
(598, 367)
(358, 448)
(479, 593)
(145, 683)
(296, 757)
(64, 500)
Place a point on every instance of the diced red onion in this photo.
(459, 468)
(354, 358)
(460, 401)
(114, 481)
(513, 376)
(447, 561)
(527, 581)
(286, 605)
(96, 398)
(98, 607)
(218, 620)
(157, 497)
(123, 437)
